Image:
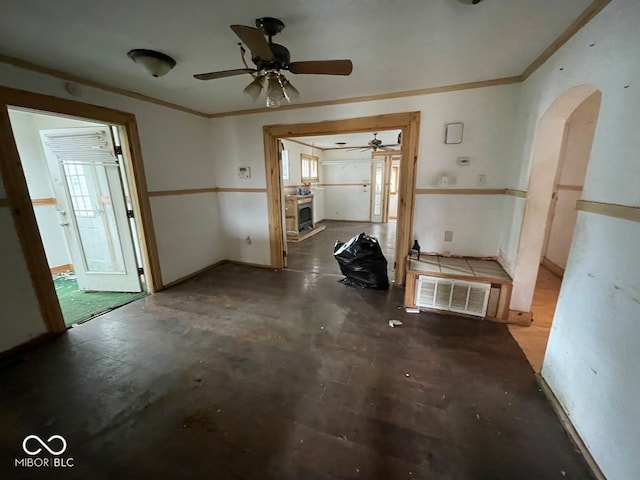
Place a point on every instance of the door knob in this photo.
(64, 224)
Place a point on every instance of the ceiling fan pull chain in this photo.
(244, 60)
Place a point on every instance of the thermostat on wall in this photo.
(244, 172)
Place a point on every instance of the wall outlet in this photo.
(248, 240)
(444, 181)
(482, 180)
(448, 236)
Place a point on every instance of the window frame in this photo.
(313, 163)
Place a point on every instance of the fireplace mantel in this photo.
(299, 214)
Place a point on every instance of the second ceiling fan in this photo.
(270, 59)
(376, 144)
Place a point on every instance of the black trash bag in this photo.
(362, 262)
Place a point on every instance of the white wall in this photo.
(510, 226)
(177, 155)
(343, 200)
(26, 127)
(474, 220)
(594, 347)
(488, 115)
(20, 318)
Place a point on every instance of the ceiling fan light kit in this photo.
(156, 63)
(254, 89)
(270, 58)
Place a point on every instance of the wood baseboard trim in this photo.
(517, 317)
(191, 275)
(569, 428)
(43, 201)
(248, 264)
(573, 188)
(363, 184)
(28, 345)
(460, 191)
(195, 191)
(61, 268)
(241, 190)
(624, 212)
(515, 193)
(554, 268)
(185, 191)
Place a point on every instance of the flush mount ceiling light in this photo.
(156, 63)
(470, 2)
(269, 59)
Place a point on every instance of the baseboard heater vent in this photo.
(469, 298)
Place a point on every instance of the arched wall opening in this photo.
(547, 151)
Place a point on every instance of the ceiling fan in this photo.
(376, 144)
(270, 59)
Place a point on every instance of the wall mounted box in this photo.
(453, 133)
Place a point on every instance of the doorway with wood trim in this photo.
(385, 177)
(564, 137)
(407, 123)
(335, 187)
(74, 177)
(77, 181)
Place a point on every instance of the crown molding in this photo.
(585, 17)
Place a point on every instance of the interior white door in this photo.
(85, 172)
(377, 190)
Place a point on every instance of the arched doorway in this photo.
(559, 158)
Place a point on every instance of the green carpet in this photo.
(78, 305)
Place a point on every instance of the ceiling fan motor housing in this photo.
(269, 25)
(281, 58)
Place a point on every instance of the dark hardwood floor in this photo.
(245, 373)
(315, 254)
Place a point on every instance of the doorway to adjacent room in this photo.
(80, 206)
(561, 153)
(76, 174)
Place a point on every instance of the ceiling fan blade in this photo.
(223, 73)
(322, 67)
(255, 40)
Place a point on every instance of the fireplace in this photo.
(298, 210)
(305, 216)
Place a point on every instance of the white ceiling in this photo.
(389, 137)
(395, 45)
